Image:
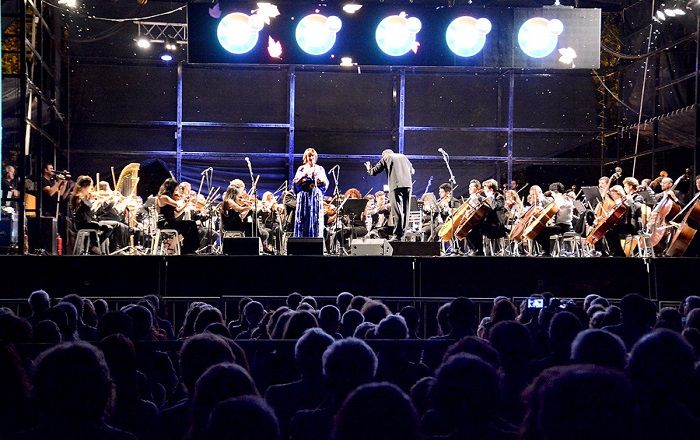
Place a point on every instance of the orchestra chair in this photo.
(494, 246)
(84, 237)
(570, 244)
(532, 249)
(638, 246)
(166, 242)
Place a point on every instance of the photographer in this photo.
(54, 186)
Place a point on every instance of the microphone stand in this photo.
(254, 194)
(336, 196)
(453, 182)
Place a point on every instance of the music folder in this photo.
(354, 207)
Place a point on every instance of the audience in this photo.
(560, 371)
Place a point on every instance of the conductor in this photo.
(399, 170)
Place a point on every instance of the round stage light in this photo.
(315, 33)
(238, 32)
(466, 35)
(538, 37)
(396, 34)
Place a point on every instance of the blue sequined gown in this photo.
(308, 220)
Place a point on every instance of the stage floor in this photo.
(668, 279)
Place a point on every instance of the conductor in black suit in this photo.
(399, 171)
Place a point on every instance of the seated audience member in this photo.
(85, 332)
(478, 347)
(462, 320)
(197, 354)
(253, 314)
(598, 347)
(47, 332)
(220, 382)
(306, 393)
(39, 301)
(15, 406)
(580, 401)
(562, 330)
(14, 329)
(394, 364)
(246, 417)
(661, 367)
(350, 321)
(410, 314)
(72, 388)
(466, 396)
(374, 311)
(638, 317)
(342, 301)
(671, 319)
(329, 321)
(101, 308)
(129, 411)
(347, 364)
(377, 411)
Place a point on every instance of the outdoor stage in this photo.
(668, 279)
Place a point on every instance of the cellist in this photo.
(629, 223)
(562, 220)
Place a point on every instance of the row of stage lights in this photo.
(395, 35)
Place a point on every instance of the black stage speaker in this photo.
(416, 248)
(370, 246)
(305, 246)
(242, 245)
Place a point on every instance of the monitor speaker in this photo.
(370, 246)
(416, 248)
(305, 246)
(42, 234)
(242, 245)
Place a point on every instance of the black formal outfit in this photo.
(48, 204)
(84, 218)
(355, 229)
(399, 173)
(563, 222)
(106, 214)
(380, 221)
(186, 228)
(628, 225)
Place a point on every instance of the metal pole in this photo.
(290, 121)
(178, 131)
(402, 110)
(511, 107)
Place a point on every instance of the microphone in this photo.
(442, 151)
(247, 160)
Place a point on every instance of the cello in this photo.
(540, 221)
(604, 226)
(517, 233)
(686, 230)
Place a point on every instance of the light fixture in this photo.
(143, 42)
(170, 44)
(660, 16)
(351, 8)
(346, 62)
(166, 56)
(69, 3)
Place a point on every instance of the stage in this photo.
(665, 279)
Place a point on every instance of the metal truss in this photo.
(157, 32)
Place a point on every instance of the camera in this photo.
(535, 303)
(62, 175)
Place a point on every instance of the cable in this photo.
(119, 20)
(613, 94)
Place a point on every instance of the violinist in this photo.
(269, 222)
(446, 203)
(629, 223)
(83, 212)
(167, 206)
(562, 220)
(235, 207)
(381, 215)
(352, 227)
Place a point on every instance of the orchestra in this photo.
(618, 217)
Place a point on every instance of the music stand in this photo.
(648, 197)
(354, 209)
(592, 194)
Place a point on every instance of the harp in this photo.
(128, 180)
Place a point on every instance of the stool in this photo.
(83, 240)
(166, 242)
(639, 246)
(570, 245)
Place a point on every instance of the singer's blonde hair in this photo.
(308, 153)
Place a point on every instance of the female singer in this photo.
(310, 182)
(83, 211)
(168, 209)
